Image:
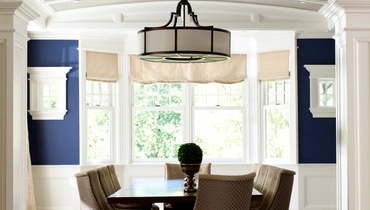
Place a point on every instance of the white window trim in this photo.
(318, 72)
(41, 76)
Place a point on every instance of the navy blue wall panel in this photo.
(316, 136)
(56, 142)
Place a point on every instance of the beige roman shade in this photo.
(273, 65)
(101, 66)
(230, 71)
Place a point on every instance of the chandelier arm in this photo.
(194, 17)
(171, 18)
(175, 21)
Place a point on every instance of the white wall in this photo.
(56, 188)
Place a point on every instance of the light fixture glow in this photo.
(183, 44)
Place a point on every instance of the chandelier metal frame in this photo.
(184, 44)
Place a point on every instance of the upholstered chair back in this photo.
(276, 184)
(114, 177)
(220, 192)
(106, 180)
(99, 193)
(96, 185)
(87, 197)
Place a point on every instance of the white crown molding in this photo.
(119, 18)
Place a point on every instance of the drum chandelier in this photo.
(184, 44)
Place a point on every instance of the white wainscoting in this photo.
(56, 188)
(317, 187)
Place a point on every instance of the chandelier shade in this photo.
(181, 44)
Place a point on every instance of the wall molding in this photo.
(317, 187)
(56, 187)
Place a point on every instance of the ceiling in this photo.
(127, 16)
(63, 5)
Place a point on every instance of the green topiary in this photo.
(190, 153)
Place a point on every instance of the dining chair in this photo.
(220, 192)
(112, 171)
(260, 175)
(87, 197)
(109, 181)
(275, 184)
(174, 171)
(94, 187)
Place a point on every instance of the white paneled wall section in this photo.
(56, 188)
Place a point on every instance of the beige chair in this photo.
(107, 181)
(276, 184)
(221, 192)
(87, 197)
(173, 170)
(112, 171)
(96, 185)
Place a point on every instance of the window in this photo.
(99, 114)
(48, 92)
(128, 122)
(158, 120)
(218, 120)
(322, 90)
(161, 116)
(276, 120)
(326, 93)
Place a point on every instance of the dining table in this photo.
(161, 190)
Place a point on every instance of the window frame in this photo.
(112, 110)
(181, 109)
(264, 108)
(242, 108)
(321, 73)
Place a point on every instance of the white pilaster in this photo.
(13, 105)
(353, 125)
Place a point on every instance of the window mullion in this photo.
(188, 111)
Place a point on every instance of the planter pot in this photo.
(189, 181)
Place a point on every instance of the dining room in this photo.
(138, 125)
(51, 167)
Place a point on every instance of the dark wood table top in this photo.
(158, 190)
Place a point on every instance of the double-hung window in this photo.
(219, 119)
(99, 121)
(158, 116)
(276, 121)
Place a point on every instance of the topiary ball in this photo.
(190, 153)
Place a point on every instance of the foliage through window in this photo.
(276, 120)
(99, 121)
(163, 116)
(326, 95)
(160, 117)
(158, 120)
(218, 120)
